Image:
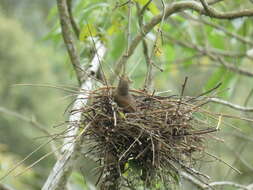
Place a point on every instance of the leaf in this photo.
(115, 27)
(122, 115)
(158, 47)
(88, 30)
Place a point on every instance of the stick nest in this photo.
(148, 147)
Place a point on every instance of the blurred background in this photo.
(26, 57)
(32, 53)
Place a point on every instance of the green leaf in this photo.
(88, 30)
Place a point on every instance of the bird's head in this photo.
(123, 85)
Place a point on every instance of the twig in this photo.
(69, 39)
(64, 166)
(231, 105)
(182, 93)
(212, 2)
(244, 144)
(218, 27)
(62, 88)
(233, 68)
(72, 20)
(22, 161)
(129, 24)
(219, 159)
(148, 79)
(33, 123)
(59, 175)
(204, 50)
(214, 55)
(136, 140)
(228, 183)
(206, 7)
(37, 161)
(206, 92)
(193, 180)
(155, 46)
(203, 186)
(173, 8)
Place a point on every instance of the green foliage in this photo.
(25, 61)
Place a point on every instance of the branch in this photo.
(250, 186)
(72, 20)
(62, 169)
(203, 186)
(171, 9)
(68, 38)
(33, 123)
(214, 55)
(218, 27)
(228, 183)
(234, 68)
(5, 187)
(71, 149)
(148, 77)
(193, 180)
(212, 2)
(205, 50)
(234, 106)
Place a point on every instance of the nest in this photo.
(149, 147)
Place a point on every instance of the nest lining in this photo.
(146, 146)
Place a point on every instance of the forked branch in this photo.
(171, 9)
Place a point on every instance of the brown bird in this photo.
(122, 96)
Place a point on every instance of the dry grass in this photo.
(148, 147)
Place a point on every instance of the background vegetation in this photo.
(206, 50)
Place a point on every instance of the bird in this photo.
(122, 96)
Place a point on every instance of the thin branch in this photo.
(203, 186)
(173, 8)
(212, 2)
(228, 183)
(148, 77)
(218, 27)
(62, 169)
(231, 105)
(206, 7)
(5, 187)
(72, 20)
(129, 24)
(71, 149)
(69, 39)
(33, 123)
(193, 180)
(214, 55)
(205, 50)
(238, 154)
(234, 68)
(128, 34)
(250, 186)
